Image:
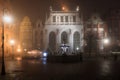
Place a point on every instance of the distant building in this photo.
(63, 28)
(38, 35)
(95, 32)
(26, 34)
(113, 21)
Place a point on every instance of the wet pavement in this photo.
(92, 69)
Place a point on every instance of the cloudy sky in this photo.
(38, 8)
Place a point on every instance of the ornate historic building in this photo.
(26, 34)
(38, 35)
(9, 28)
(63, 29)
(95, 32)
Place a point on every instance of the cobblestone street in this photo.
(93, 69)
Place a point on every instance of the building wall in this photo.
(26, 34)
(59, 22)
(97, 29)
(113, 22)
(38, 35)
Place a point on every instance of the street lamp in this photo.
(5, 19)
(77, 49)
(106, 42)
(12, 42)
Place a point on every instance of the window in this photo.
(64, 38)
(66, 18)
(54, 18)
(76, 40)
(52, 41)
(74, 18)
(61, 18)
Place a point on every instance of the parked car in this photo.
(34, 54)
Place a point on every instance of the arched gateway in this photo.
(52, 42)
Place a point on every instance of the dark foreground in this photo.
(89, 69)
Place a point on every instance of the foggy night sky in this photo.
(36, 9)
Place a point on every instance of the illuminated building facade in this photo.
(26, 34)
(9, 28)
(63, 28)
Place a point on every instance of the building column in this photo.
(69, 19)
(64, 19)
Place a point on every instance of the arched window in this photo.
(76, 41)
(52, 41)
(64, 38)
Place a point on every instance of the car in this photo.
(34, 54)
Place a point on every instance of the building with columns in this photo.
(63, 29)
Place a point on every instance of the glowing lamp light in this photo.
(63, 8)
(25, 50)
(19, 58)
(77, 48)
(106, 41)
(44, 54)
(12, 42)
(7, 19)
(18, 50)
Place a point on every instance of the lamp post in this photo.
(5, 19)
(12, 42)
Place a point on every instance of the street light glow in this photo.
(18, 50)
(12, 42)
(106, 41)
(63, 8)
(77, 48)
(44, 54)
(7, 19)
